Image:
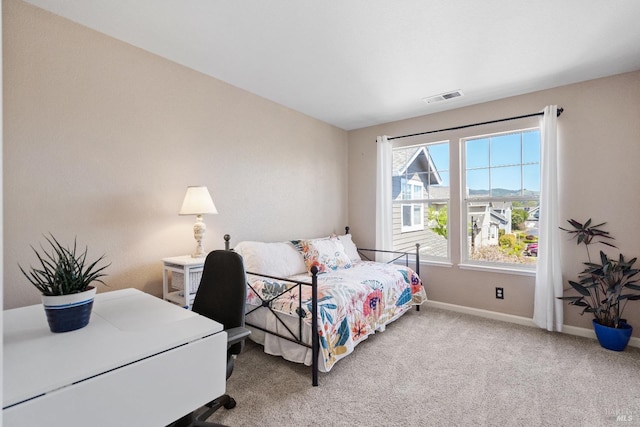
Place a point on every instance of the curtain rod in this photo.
(560, 110)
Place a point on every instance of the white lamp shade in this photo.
(198, 201)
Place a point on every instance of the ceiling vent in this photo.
(443, 96)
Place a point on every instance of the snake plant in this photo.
(63, 270)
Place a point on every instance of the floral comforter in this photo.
(352, 303)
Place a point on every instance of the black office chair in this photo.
(221, 297)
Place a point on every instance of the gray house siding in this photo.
(406, 242)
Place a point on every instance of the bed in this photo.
(325, 285)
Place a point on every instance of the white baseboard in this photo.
(525, 321)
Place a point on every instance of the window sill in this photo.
(435, 263)
(499, 269)
(430, 262)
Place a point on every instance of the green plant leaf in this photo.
(570, 298)
(63, 270)
(578, 287)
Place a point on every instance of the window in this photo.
(412, 213)
(421, 199)
(501, 197)
(412, 217)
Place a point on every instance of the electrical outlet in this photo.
(500, 293)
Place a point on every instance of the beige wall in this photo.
(599, 154)
(101, 140)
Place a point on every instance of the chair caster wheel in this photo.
(230, 404)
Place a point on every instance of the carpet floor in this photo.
(440, 368)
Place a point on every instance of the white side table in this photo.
(180, 279)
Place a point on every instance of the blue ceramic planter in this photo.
(68, 312)
(615, 339)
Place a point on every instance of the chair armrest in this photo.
(235, 335)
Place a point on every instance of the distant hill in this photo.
(503, 192)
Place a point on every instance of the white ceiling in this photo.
(356, 63)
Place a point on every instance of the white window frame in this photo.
(466, 260)
(426, 203)
(415, 191)
(414, 226)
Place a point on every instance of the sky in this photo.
(495, 161)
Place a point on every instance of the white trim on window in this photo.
(518, 269)
(468, 201)
(419, 184)
(413, 216)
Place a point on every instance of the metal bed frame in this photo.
(296, 337)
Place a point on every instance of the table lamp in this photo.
(198, 202)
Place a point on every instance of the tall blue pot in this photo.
(615, 339)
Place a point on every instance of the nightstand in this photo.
(180, 279)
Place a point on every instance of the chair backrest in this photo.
(223, 289)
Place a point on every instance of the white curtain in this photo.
(547, 309)
(383, 195)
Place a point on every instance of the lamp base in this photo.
(199, 229)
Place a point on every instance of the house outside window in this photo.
(501, 197)
(421, 199)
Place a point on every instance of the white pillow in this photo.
(280, 259)
(349, 247)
